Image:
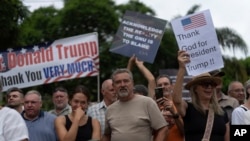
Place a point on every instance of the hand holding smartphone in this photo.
(158, 92)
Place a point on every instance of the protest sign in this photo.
(139, 34)
(63, 59)
(196, 34)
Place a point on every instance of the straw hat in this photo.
(217, 73)
(202, 77)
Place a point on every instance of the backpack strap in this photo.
(244, 108)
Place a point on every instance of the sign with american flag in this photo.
(49, 62)
(196, 35)
(194, 21)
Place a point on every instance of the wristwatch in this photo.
(176, 116)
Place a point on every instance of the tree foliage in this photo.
(21, 28)
(42, 25)
(228, 38)
(12, 13)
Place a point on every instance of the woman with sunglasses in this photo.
(203, 118)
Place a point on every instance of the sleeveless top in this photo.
(195, 124)
(84, 132)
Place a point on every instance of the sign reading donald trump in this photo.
(63, 59)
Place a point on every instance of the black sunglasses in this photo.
(206, 84)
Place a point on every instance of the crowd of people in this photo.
(130, 111)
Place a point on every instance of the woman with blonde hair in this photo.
(203, 118)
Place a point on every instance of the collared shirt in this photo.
(98, 111)
(226, 101)
(228, 104)
(41, 128)
(67, 110)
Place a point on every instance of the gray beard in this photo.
(123, 94)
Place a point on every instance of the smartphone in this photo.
(158, 92)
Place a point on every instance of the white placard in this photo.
(196, 34)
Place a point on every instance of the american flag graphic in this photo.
(193, 22)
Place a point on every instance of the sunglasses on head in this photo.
(206, 84)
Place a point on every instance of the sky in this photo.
(225, 13)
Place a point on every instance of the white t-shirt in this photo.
(241, 116)
(12, 126)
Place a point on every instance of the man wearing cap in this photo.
(15, 99)
(12, 126)
(226, 102)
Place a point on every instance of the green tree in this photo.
(85, 16)
(235, 70)
(103, 16)
(42, 25)
(12, 13)
(228, 38)
(79, 17)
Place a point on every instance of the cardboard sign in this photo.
(63, 59)
(196, 34)
(140, 35)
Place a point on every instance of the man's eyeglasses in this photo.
(206, 84)
(238, 90)
(31, 102)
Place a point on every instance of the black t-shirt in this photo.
(195, 125)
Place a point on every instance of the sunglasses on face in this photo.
(206, 84)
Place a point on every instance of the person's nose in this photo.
(78, 104)
(29, 104)
(123, 83)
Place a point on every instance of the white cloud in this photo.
(225, 13)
